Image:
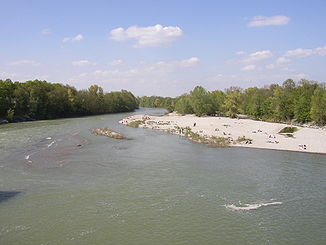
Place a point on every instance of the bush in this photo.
(243, 139)
(288, 130)
(10, 114)
(135, 124)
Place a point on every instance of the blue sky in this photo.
(163, 47)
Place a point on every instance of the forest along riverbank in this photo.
(224, 131)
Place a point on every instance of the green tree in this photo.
(43, 100)
(282, 104)
(302, 100)
(217, 99)
(58, 102)
(318, 105)
(200, 101)
(7, 88)
(255, 102)
(183, 105)
(21, 99)
(232, 101)
(38, 99)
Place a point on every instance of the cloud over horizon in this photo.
(77, 38)
(82, 63)
(46, 31)
(150, 36)
(249, 68)
(300, 52)
(116, 62)
(158, 76)
(277, 20)
(24, 62)
(257, 56)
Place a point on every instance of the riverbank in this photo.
(224, 131)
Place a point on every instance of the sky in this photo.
(163, 48)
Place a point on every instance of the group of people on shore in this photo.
(272, 139)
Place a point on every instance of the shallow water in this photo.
(154, 188)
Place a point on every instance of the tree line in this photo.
(301, 102)
(43, 100)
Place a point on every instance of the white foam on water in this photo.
(49, 145)
(48, 138)
(251, 206)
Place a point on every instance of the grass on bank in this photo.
(244, 139)
(136, 124)
(288, 130)
(203, 139)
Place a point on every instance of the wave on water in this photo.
(251, 206)
(53, 152)
(49, 145)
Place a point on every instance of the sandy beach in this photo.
(239, 132)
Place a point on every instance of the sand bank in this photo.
(238, 132)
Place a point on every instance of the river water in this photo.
(152, 188)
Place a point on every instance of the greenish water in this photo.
(154, 188)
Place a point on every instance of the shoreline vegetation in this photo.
(41, 100)
(291, 116)
(294, 103)
(229, 132)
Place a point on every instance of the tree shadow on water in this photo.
(5, 195)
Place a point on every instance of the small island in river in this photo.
(225, 131)
(108, 133)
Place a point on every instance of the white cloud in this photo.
(105, 73)
(320, 51)
(79, 37)
(5, 75)
(299, 52)
(24, 76)
(116, 62)
(301, 76)
(189, 62)
(279, 62)
(257, 56)
(158, 67)
(154, 78)
(25, 62)
(270, 66)
(46, 31)
(249, 68)
(150, 36)
(282, 60)
(241, 53)
(251, 79)
(168, 66)
(82, 63)
(277, 20)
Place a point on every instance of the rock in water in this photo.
(3, 121)
(5, 195)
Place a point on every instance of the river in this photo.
(152, 188)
